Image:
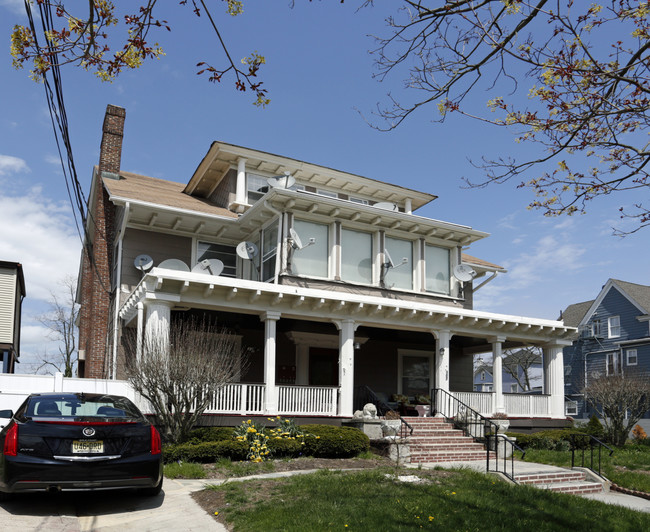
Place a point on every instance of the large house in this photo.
(12, 293)
(333, 283)
(613, 339)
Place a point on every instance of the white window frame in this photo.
(631, 354)
(596, 328)
(613, 363)
(327, 193)
(574, 408)
(614, 327)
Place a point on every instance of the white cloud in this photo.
(11, 165)
(39, 233)
(15, 6)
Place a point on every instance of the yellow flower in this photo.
(430, 518)
(216, 513)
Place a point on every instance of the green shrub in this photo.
(205, 452)
(285, 448)
(210, 434)
(552, 440)
(326, 441)
(595, 427)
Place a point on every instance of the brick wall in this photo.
(96, 287)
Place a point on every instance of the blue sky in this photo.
(319, 76)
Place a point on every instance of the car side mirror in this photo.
(7, 414)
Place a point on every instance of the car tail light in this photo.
(11, 441)
(155, 441)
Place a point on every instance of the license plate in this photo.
(87, 446)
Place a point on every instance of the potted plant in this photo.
(391, 424)
(501, 420)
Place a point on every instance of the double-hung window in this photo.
(269, 251)
(614, 326)
(256, 187)
(223, 252)
(614, 363)
(356, 256)
(631, 357)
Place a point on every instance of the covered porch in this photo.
(310, 348)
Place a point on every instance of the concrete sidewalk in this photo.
(521, 468)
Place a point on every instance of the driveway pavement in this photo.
(109, 511)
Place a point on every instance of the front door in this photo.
(323, 367)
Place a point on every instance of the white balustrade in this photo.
(527, 405)
(238, 399)
(307, 400)
(481, 402)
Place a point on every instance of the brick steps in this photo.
(564, 481)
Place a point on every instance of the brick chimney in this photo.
(96, 291)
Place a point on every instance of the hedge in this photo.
(205, 452)
(326, 441)
(321, 441)
(554, 440)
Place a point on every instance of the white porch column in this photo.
(271, 401)
(442, 359)
(156, 328)
(240, 190)
(497, 372)
(346, 366)
(554, 378)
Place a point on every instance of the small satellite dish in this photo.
(387, 206)
(295, 238)
(143, 263)
(247, 250)
(281, 181)
(209, 267)
(464, 272)
(174, 264)
(388, 261)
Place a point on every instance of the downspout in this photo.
(475, 289)
(118, 289)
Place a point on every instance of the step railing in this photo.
(504, 455)
(580, 443)
(479, 427)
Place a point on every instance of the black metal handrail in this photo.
(477, 426)
(405, 426)
(493, 444)
(592, 443)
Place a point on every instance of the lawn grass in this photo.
(628, 467)
(375, 500)
(183, 470)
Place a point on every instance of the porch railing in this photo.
(238, 399)
(527, 405)
(583, 442)
(480, 402)
(302, 400)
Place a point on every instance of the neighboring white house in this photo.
(344, 289)
(12, 293)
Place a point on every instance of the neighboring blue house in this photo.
(483, 380)
(613, 339)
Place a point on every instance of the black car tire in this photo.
(152, 492)
(4, 496)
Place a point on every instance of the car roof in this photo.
(54, 395)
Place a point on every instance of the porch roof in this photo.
(187, 290)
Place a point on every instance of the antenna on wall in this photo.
(248, 251)
(464, 272)
(143, 263)
(209, 267)
(281, 181)
(388, 264)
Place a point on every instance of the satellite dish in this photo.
(296, 242)
(209, 267)
(247, 250)
(388, 261)
(464, 272)
(143, 263)
(174, 264)
(281, 181)
(387, 206)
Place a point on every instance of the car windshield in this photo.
(78, 407)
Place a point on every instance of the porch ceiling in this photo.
(193, 290)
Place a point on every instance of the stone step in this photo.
(434, 446)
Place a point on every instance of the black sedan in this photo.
(79, 441)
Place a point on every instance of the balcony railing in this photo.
(238, 399)
(516, 404)
(307, 400)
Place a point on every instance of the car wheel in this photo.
(152, 492)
